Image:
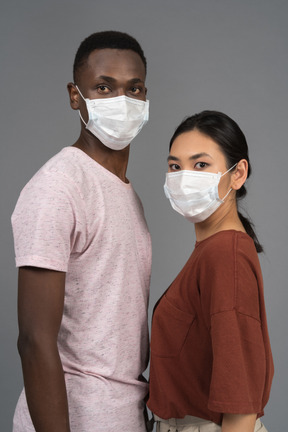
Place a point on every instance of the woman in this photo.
(211, 362)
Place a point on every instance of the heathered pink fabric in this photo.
(77, 217)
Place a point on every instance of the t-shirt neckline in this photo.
(105, 171)
(198, 243)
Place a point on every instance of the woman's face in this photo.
(195, 151)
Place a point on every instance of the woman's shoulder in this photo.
(225, 246)
(226, 240)
(229, 272)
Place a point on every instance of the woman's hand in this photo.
(238, 422)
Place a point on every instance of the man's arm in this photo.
(238, 422)
(40, 309)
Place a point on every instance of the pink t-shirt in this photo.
(77, 217)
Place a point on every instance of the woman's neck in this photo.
(225, 218)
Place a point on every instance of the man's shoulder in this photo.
(57, 184)
(60, 174)
(67, 166)
(68, 161)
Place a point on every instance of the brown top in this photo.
(210, 349)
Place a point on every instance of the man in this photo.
(84, 256)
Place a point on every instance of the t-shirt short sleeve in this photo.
(238, 373)
(231, 284)
(46, 222)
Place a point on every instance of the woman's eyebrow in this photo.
(199, 155)
(193, 157)
(172, 158)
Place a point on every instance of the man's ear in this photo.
(73, 96)
(239, 176)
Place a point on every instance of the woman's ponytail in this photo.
(246, 222)
(249, 228)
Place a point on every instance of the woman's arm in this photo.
(40, 309)
(238, 422)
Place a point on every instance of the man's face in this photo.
(110, 73)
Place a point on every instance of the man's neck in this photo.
(115, 161)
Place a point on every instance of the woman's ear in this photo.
(239, 176)
(73, 96)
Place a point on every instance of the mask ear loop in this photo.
(226, 194)
(230, 169)
(82, 118)
(79, 109)
(230, 188)
(80, 92)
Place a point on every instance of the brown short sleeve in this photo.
(238, 373)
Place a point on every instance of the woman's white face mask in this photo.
(116, 121)
(194, 194)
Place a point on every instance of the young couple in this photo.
(84, 256)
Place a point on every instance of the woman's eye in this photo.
(201, 165)
(174, 167)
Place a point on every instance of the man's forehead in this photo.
(113, 54)
(109, 60)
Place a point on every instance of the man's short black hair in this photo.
(102, 40)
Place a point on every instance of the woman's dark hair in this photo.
(228, 135)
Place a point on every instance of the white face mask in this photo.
(116, 121)
(194, 194)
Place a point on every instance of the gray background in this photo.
(211, 54)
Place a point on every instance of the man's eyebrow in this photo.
(107, 78)
(113, 80)
(135, 80)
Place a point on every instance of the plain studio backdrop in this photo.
(228, 55)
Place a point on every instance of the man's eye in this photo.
(103, 89)
(135, 90)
